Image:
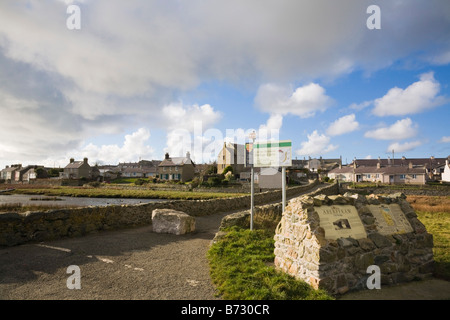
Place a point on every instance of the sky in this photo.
(120, 81)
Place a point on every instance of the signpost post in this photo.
(249, 148)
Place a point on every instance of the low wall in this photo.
(269, 215)
(18, 228)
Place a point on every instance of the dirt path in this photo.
(127, 264)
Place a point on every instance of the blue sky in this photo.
(141, 78)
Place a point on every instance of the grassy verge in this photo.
(18, 207)
(434, 213)
(241, 270)
(125, 193)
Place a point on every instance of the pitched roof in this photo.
(428, 162)
(74, 165)
(374, 169)
(176, 161)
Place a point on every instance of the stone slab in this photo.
(172, 221)
(390, 219)
(341, 221)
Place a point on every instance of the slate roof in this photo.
(430, 163)
(74, 165)
(383, 170)
(176, 161)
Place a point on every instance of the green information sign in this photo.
(272, 154)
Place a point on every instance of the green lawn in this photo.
(241, 268)
(126, 193)
(438, 224)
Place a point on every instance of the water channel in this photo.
(63, 201)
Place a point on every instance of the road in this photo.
(114, 265)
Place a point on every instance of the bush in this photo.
(139, 182)
(94, 184)
(325, 179)
(213, 181)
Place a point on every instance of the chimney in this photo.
(85, 160)
(166, 156)
(378, 165)
(432, 157)
(188, 155)
(72, 160)
(354, 164)
(410, 165)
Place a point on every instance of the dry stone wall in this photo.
(18, 228)
(330, 241)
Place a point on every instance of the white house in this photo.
(446, 173)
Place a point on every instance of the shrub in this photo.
(213, 181)
(139, 182)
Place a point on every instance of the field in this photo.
(118, 192)
(434, 213)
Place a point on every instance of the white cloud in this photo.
(316, 145)
(135, 146)
(271, 130)
(418, 97)
(445, 139)
(402, 129)
(404, 147)
(189, 129)
(304, 101)
(343, 125)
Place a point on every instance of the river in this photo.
(70, 201)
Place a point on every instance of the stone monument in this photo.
(330, 241)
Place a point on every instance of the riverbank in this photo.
(118, 192)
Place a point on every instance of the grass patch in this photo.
(434, 213)
(240, 268)
(111, 192)
(18, 207)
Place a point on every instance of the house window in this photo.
(176, 168)
(368, 176)
(378, 175)
(402, 177)
(414, 176)
(164, 168)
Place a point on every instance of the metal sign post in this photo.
(249, 161)
(283, 187)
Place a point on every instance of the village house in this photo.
(77, 170)
(9, 173)
(446, 172)
(232, 154)
(176, 168)
(141, 169)
(388, 174)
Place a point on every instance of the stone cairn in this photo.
(339, 264)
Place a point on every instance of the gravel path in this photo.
(115, 265)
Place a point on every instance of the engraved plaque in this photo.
(390, 219)
(341, 221)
